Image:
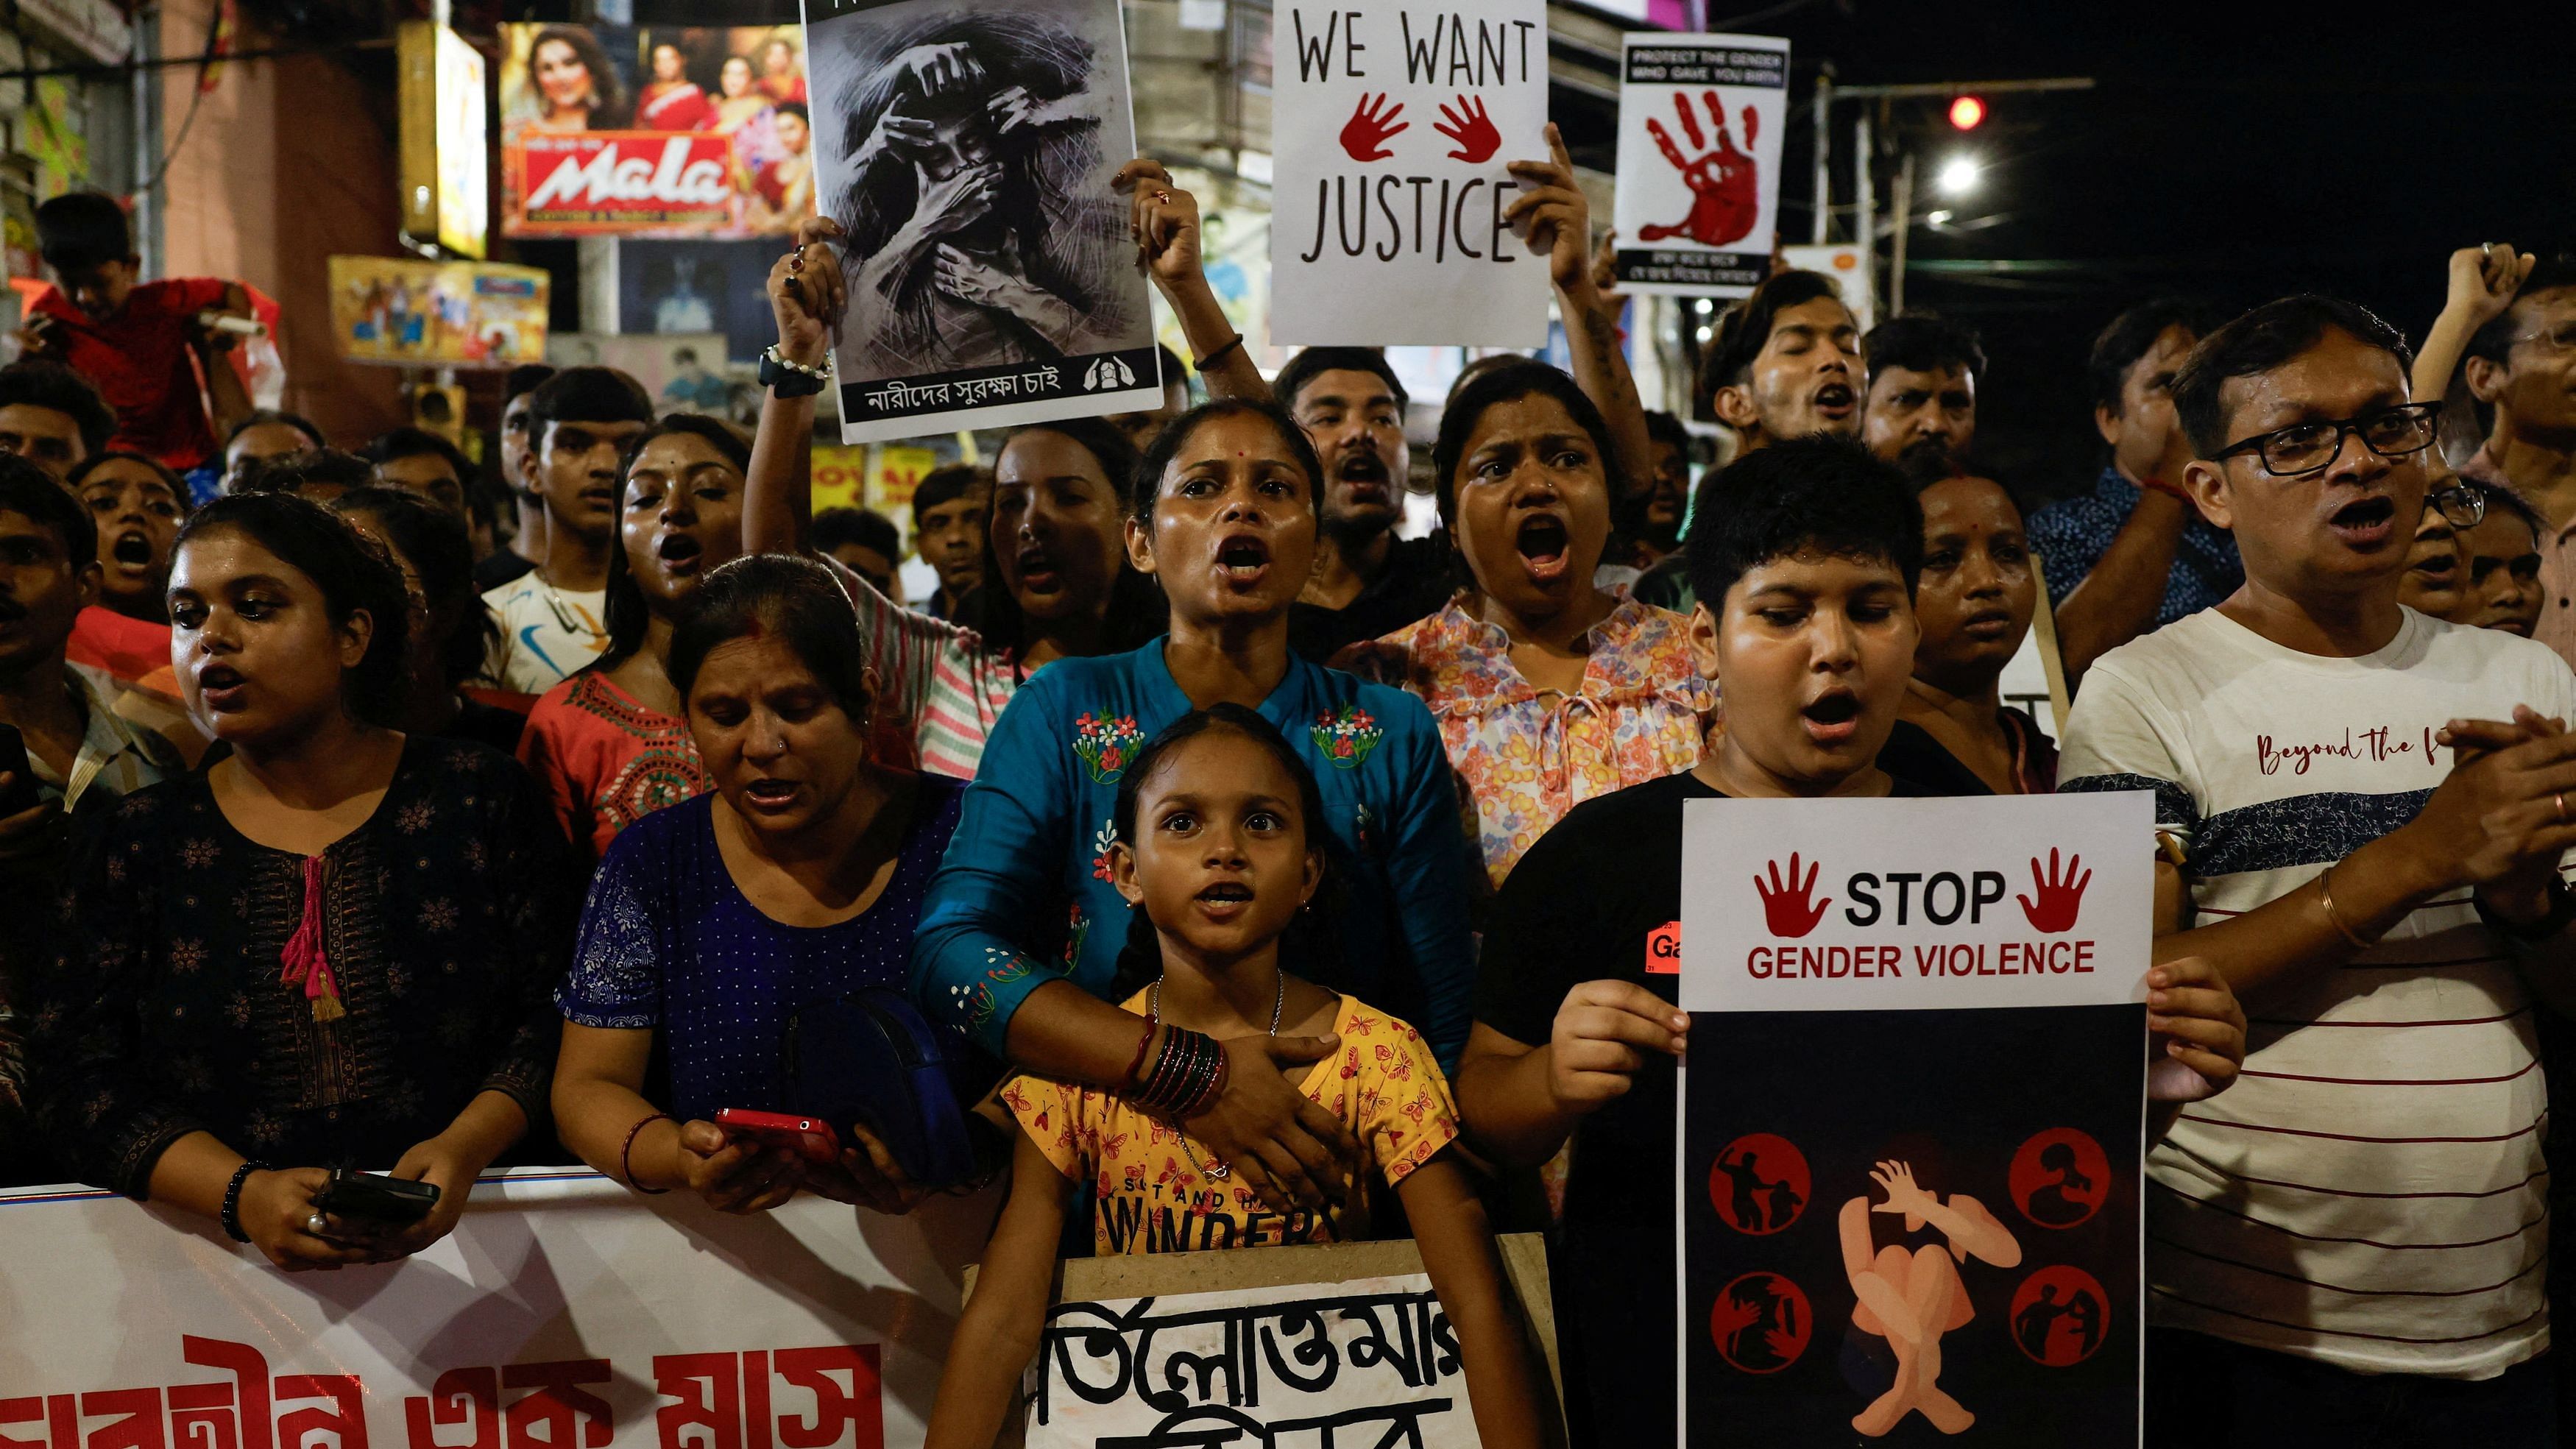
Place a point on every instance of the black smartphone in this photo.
(376, 1197)
(20, 793)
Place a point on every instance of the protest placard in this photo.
(1700, 122)
(1388, 193)
(968, 151)
(1336, 1343)
(1911, 1118)
(563, 1311)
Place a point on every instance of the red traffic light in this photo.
(1966, 112)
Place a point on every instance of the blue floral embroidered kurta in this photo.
(1024, 896)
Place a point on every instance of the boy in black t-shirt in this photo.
(1803, 561)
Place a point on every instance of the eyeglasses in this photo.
(2307, 447)
(2461, 507)
(2561, 338)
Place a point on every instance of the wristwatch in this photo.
(791, 379)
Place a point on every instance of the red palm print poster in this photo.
(1700, 121)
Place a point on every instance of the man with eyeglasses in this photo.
(2522, 364)
(2360, 813)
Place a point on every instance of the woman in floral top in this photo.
(1548, 691)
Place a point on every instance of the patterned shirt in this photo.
(1526, 756)
(547, 634)
(1149, 1185)
(939, 679)
(1025, 896)
(670, 943)
(2071, 535)
(446, 917)
(116, 754)
(606, 761)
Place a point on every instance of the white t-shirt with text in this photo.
(2371, 1192)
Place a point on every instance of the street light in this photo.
(1966, 112)
(1958, 176)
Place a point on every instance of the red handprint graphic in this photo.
(1784, 903)
(2061, 896)
(1472, 129)
(1724, 194)
(1365, 134)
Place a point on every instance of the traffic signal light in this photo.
(1966, 112)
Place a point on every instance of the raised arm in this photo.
(2483, 281)
(1164, 220)
(807, 299)
(1555, 217)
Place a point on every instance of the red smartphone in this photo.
(808, 1137)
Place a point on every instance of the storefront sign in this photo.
(702, 131)
(1701, 119)
(1911, 1118)
(564, 1311)
(1387, 205)
(438, 314)
(445, 147)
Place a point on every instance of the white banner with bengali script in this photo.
(563, 1313)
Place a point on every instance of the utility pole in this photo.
(1863, 138)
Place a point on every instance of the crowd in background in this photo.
(1265, 874)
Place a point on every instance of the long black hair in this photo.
(607, 89)
(626, 614)
(1306, 946)
(442, 553)
(1136, 614)
(353, 571)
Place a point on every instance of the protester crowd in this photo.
(1267, 876)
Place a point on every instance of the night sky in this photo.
(2235, 151)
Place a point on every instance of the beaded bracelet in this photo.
(231, 1215)
(626, 1154)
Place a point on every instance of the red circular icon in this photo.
(2060, 1178)
(1759, 1183)
(2060, 1316)
(1760, 1323)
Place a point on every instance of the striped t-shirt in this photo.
(937, 678)
(2371, 1192)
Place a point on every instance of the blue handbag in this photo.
(870, 1057)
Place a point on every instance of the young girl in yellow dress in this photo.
(1219, 848)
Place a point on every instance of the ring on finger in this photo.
(315, 1224)
(1163, 197)
(2561, 798)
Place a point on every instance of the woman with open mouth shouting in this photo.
(609, 744)
(1021, 935)
(1057, 583)
(1548, 690)
(335, 945)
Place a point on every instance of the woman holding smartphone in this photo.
(334, 945)
(713, 922)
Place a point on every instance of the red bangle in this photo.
(1152, 1024)
(626, 1154)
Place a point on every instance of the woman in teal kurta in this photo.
(1022, 930)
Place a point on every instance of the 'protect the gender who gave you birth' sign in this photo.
(1395, 126)
(1911, 1148)
(1701, 119)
